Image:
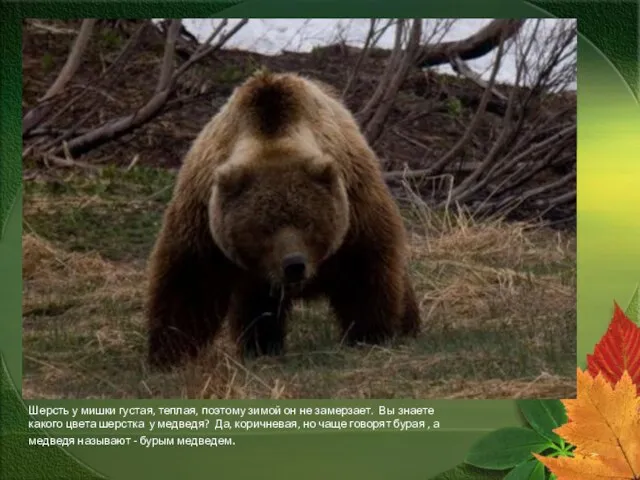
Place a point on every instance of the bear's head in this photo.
(279, 217)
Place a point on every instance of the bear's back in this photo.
(280, 111)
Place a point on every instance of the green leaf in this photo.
(506, 448)
(529, 470)
(544, 416)
(633, 309)
(464, 471)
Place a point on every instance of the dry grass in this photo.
(498, 310)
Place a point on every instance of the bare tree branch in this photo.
(512, 203)
(374, 127)
(365, 49)
(104, 81)
(166, 70)
(437, 166)
(459, 66)
(208, 49)
(365, 114)
(35, 116)
(73, 60)
(122, 125)
(474, 46)
(471, 183)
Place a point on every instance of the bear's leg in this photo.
(369, 300)
(258, 320)
(188, 298)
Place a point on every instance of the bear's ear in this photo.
(232, 181)
(324, 171)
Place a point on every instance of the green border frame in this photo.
(608, 262)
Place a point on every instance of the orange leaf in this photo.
(604, 426)
(618, 350)
(582, 467)
(601, 416)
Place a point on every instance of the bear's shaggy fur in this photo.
(280, 197)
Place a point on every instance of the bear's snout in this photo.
(294, 267)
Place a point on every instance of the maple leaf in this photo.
(618, 351)
(583, 467)
(604, 426)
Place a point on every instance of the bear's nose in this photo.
(293, 267)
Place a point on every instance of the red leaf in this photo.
(617, 351)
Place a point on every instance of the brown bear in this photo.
(279, 198)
